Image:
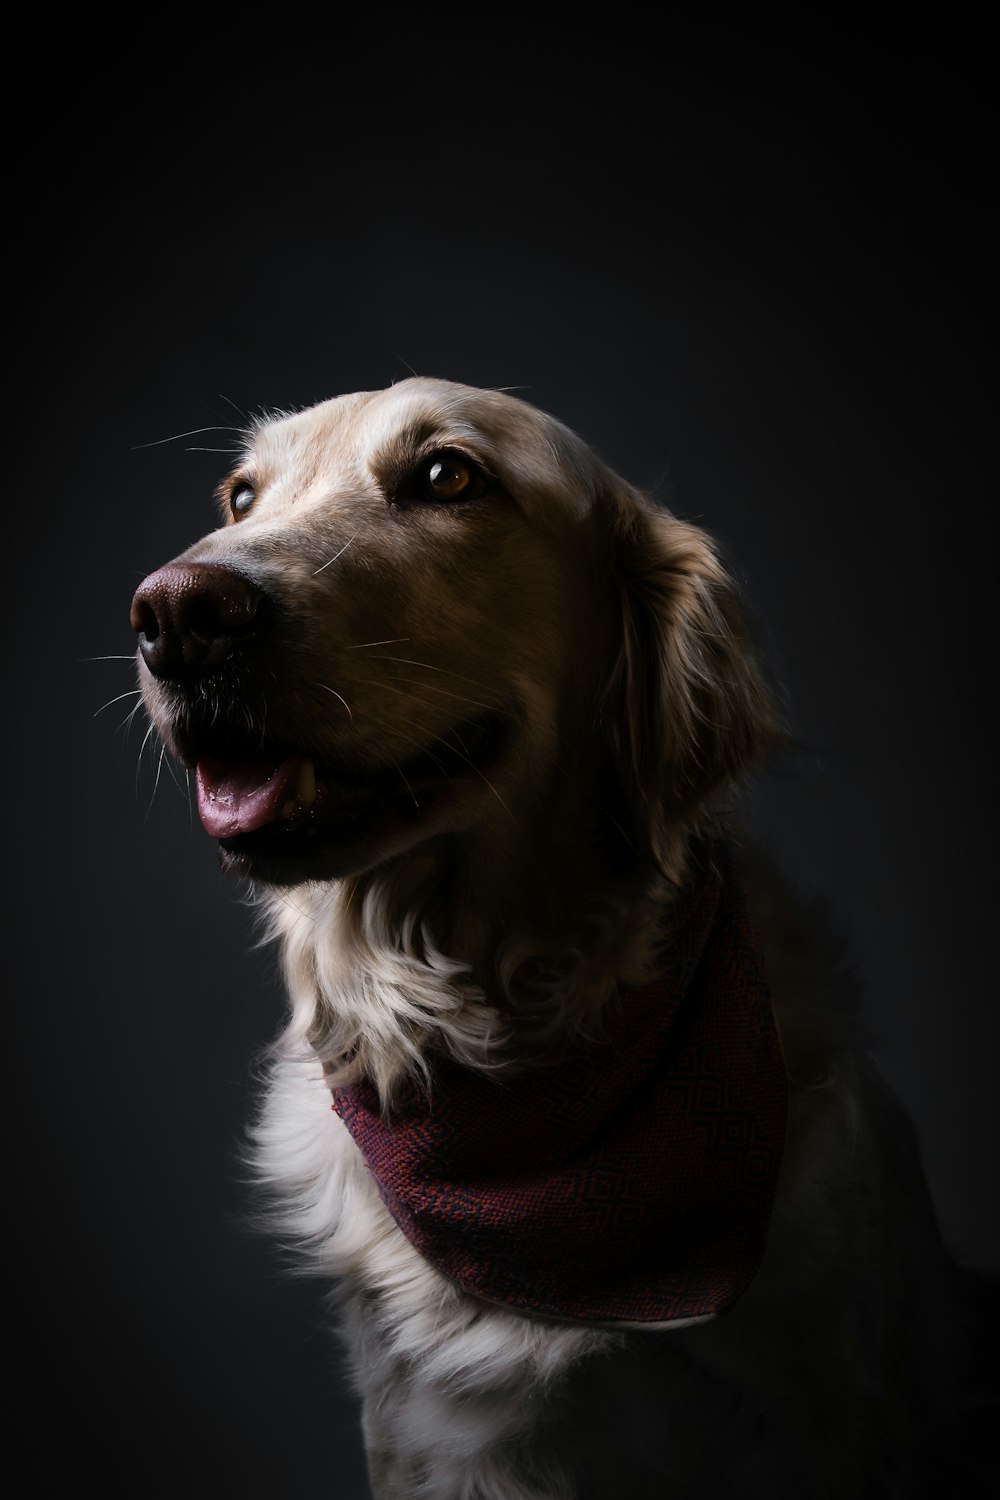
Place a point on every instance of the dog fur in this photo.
(598, 648)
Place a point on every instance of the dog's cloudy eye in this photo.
(445, 477)
(241, 499)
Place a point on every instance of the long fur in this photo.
(612, 639)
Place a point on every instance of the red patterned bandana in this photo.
(633, 1182)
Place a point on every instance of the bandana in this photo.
(631, 1183)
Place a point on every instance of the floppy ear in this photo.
(688, 711)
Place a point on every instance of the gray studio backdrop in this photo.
(752, 278)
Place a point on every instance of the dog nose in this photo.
(190, 617)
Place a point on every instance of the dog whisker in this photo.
(343, 549)
(365, 644)
(192, 432)
(150, 731)
(428, 687)
(241, 414)
(403, 779)
(126, 723)
(132, 693)
(395, 732)
(396, 355)
(416, 744)
(472, 767)
(186, 788)
(409, 661)
(156, 779)
(335, 694)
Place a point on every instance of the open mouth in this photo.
(284, 817)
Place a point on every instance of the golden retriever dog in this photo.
(574, 1106)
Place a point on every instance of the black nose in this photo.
(190, 617)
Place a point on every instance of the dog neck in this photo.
(470, 941)
(548, 1191)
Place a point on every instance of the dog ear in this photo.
(688, 711)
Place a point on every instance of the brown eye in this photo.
(446, 477)
(241, 499)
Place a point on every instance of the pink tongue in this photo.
(235, 798)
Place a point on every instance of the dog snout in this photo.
(191, 617)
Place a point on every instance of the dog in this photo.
(574, 1105)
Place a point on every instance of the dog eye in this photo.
(241, 499)
(445, 477)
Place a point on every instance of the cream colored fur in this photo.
(609, 637)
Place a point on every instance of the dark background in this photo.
(756, 277)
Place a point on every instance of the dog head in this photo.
(432, 611)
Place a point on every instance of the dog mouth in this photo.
(284, 816)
